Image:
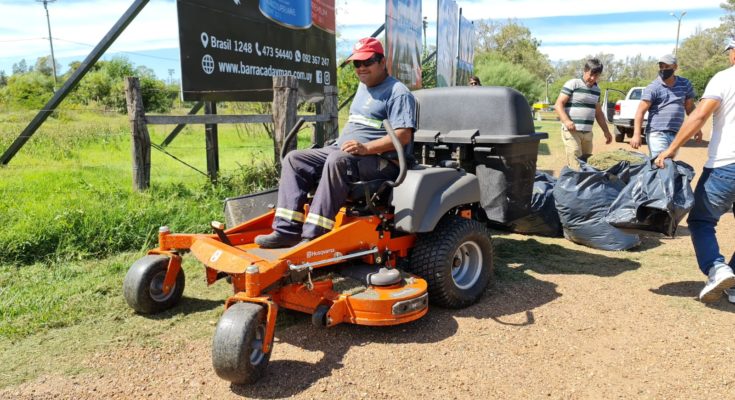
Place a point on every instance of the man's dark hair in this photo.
(593, 65)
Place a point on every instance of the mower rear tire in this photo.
(237, 347)
(143, 285)
(456, 260)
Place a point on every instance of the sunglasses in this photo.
(365, 63)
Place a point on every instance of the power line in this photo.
(120, 51)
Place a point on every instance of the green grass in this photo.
(68, 193)
(73, 225)
(49, 309)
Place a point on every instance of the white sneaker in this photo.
(730, 293)
(720, 278)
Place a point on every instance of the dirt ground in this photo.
(617, 325)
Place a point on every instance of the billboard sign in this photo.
(231, 49)
(446, 42)
(403, 26)
(466, 52)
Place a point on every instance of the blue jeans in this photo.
(659, 141)
(713, 197)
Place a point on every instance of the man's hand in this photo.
(668, 153)
(354, 147)
(698, 136)
(608, 137)
(635, 141)
(570, 126)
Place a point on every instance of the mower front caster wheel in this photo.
(319, 318)
(237, 348)
(143, 285)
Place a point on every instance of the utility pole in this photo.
(50, 41)
(678, 27)
(425, 24)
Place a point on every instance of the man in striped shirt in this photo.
(666, 99)
(578, 108)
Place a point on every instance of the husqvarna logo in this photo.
(310, 254)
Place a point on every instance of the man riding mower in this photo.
(396, 245)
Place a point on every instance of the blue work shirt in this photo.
(667, 110)
(389, 100)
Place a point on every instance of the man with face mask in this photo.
(666, 99)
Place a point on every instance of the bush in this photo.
(495, 72)
(29, 90)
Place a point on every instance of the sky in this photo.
(568, 29)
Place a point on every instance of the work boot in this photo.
(277, 240)
(720, 278)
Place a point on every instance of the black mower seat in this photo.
(363, 190)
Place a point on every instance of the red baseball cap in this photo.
(365, 48)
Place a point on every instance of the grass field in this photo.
(74, 225)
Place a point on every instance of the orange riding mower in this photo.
(395, 247)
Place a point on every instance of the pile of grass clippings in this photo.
(605, 160)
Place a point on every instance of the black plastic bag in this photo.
(543, 219)
(583, 199)
(656, 199)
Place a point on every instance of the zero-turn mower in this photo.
(396, 245)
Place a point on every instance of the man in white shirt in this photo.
(715, 192)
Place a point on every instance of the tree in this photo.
(346, 82)
(43, 65)
(637, 68)
(512, 42)
(428, 69)
(20, 67)
(3, 78)
(703, 50)
(729, 18)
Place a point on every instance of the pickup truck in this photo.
(624, 114)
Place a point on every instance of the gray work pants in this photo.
(329, 170)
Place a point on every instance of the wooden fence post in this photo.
(212, 142)
(141, 141)
(285, 103)
(331, 128)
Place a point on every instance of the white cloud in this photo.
(352, 12)
(23, 31)
(78, 26)
(539, 8)
(628, 32)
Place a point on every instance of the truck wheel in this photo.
(143, 285)
(237, 347)
(619, 136)
(456, 259)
